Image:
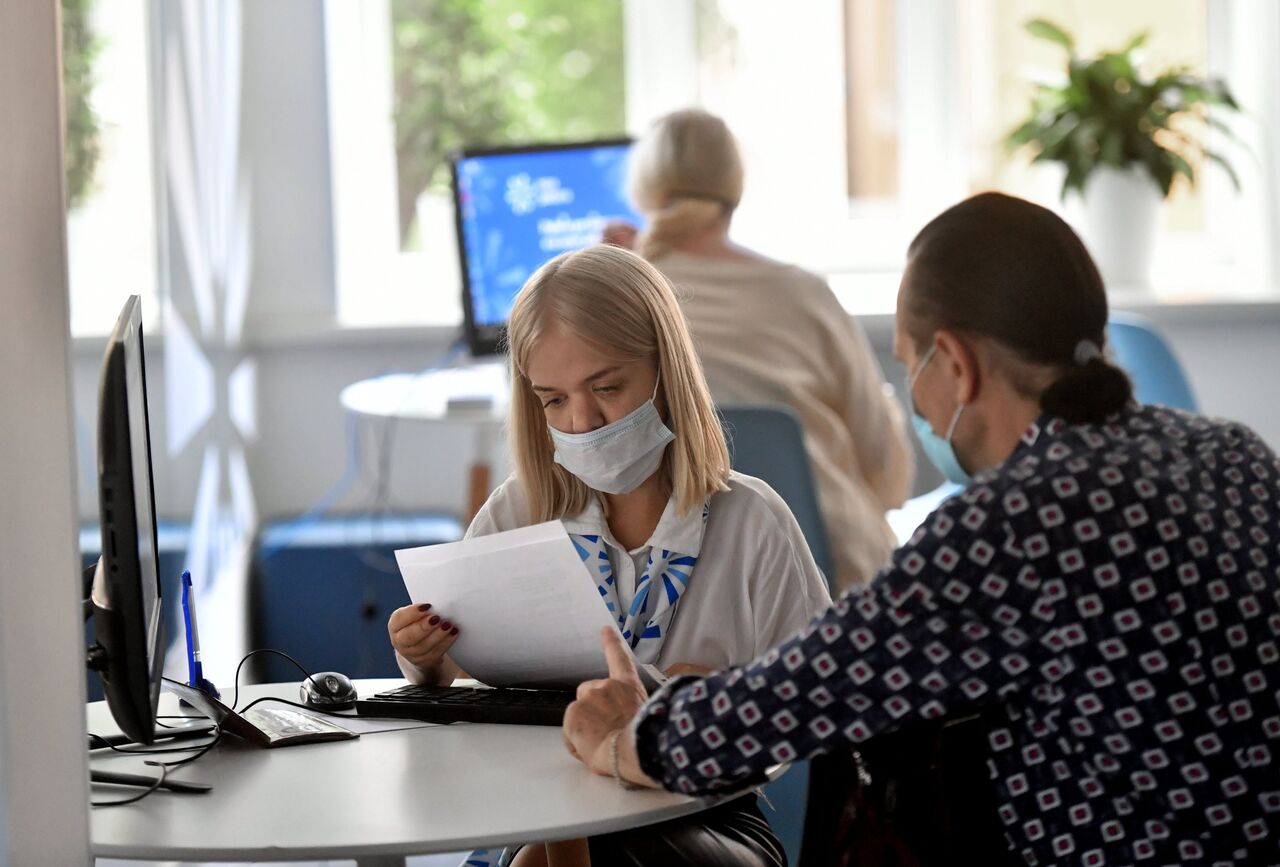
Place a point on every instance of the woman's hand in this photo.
(604, 707)
(620, 233)
(422, 637)
(688, 668)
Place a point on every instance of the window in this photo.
(859, 120)
(871, 93)
(111, 237)
(413, 80)
(929, 92)
(1194, 253)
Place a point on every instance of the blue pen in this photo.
(195, 671)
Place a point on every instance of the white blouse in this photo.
(754, 585)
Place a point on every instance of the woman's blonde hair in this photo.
(618, 302)
(686, 176)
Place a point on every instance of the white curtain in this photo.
(210, 380)
(1246, 56)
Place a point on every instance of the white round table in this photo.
(476, 396)
(375, 799)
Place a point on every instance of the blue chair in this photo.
(1144, 353)
(1157, 377)
(767, 442)
(321, 590)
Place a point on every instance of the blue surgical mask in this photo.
(618, 457)
(939, 449)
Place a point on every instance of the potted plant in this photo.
(1123, 139)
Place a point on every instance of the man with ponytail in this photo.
(1104, 594)
(772, 333)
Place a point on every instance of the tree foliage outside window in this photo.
(82, 146)
(474, 73)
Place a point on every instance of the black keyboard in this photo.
(447, 704)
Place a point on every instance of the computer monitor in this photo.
(517, 207)
(125, 599)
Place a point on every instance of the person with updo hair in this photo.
(768, 332)
(1102, 599)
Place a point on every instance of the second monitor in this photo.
(517, 207)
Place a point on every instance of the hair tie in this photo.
(724, 203)
(1085, 351)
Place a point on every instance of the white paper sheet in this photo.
(528, 612)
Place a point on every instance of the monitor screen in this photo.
(518, 207)
(126, 591)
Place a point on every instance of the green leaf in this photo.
(1162, 170)
(1135, 43)
(1226, 167)
(1223, 127)
(1042, 28)
(1111, 152)
(1181, 167)
(1022, 135)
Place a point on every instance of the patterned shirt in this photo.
(1113, 590)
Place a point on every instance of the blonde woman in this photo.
(772, 333)
(613, 432)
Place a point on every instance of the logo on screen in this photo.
(525, 194)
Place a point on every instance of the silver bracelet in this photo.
(613, 761)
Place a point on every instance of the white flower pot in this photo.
(1120, 210)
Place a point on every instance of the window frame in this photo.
(859, 249)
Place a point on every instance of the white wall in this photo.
(303, 361)
(44, 814)
(302, 450)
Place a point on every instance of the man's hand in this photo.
(604, 707)
(620, 233)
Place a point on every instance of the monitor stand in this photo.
(114, 778)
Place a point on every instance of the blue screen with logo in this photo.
(517, 210)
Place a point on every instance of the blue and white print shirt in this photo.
(755, 583)
(1116, 588)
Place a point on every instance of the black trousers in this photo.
(732, 834)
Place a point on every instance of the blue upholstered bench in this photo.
(322, 589)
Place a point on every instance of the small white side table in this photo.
(475, 396)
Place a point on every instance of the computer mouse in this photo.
(328, 690)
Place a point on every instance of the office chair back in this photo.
(767, 442)
(1148, 358)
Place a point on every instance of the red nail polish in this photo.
(453, 631)
(435, 618)
(446, 626)
(424, 607)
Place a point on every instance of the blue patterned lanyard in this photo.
(652, 608)
(666, 577)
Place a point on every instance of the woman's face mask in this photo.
(939, 449)
(617, 457)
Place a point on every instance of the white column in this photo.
(931, 111)
(44, 816)
(661, 59)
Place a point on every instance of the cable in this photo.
(201, 749)
(144, 750)
(308, 708)
(235, 686)
(164, 772)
